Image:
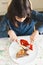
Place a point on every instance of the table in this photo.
(5, 58)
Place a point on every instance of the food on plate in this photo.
(26, 44)
(21, 53)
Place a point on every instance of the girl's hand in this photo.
(34, 36)
(12, 35)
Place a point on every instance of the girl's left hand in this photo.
(34, 36)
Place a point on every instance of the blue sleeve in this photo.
(3, 27)
(37, 16)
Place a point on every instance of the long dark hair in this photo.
(20, 8)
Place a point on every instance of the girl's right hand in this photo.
(12, 35)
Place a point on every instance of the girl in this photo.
(20, 20)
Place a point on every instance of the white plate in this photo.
(13, 49)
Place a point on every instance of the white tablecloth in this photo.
(5, 57)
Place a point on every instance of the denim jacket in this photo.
(5, 25)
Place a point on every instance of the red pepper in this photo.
(26, 43)
(31, 47)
